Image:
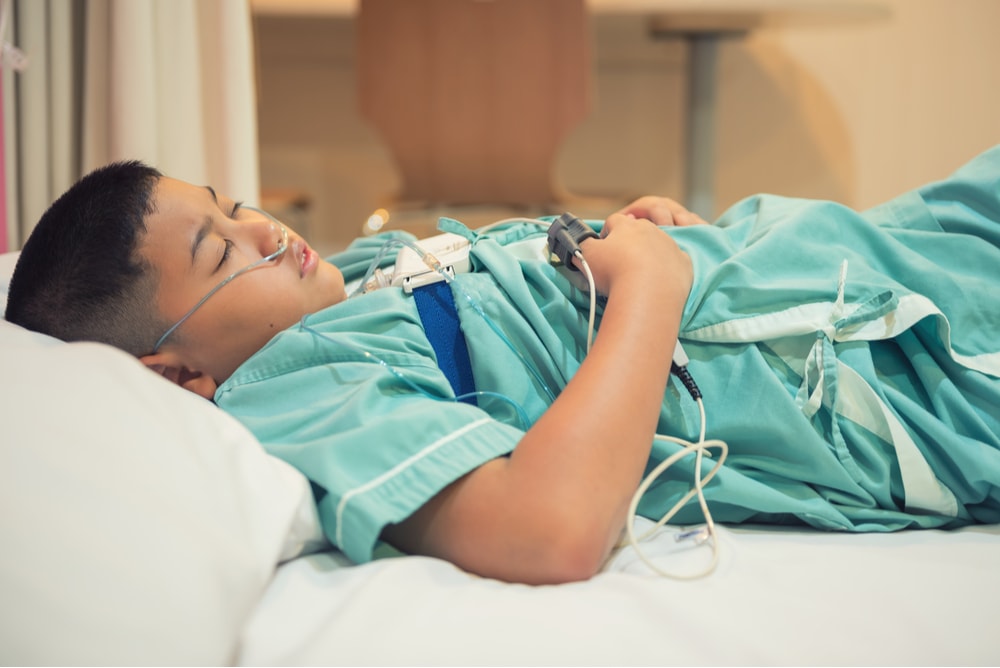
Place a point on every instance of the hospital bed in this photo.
(141, 525)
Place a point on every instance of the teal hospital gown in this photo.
(850, 360)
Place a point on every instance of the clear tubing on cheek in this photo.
(280, 250)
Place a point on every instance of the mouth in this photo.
(306, 257)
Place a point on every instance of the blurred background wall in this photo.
(855, 112)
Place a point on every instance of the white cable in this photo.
(699, 449)
(593, 298)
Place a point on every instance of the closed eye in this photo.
(236, 209)
(225, 254)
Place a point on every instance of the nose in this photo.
(268, 234)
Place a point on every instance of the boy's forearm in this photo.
(552, 511)
(588, 452)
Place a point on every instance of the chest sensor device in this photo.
(445, 253)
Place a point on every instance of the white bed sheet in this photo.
(778, 597)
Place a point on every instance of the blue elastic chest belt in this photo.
(436, 307)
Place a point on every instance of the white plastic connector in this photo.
(444, 256)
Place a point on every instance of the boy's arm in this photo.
(553, 510)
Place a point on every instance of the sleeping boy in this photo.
(850, 360)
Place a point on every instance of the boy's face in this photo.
(196, 239)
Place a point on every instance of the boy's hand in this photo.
(662, 211)
(633, 254)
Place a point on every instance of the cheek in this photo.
(267, 304)
(272, 317)
(243, 337)
(276, 310)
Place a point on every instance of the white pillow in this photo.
(139, 524)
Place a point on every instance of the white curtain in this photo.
(41, 105)
(170, 82)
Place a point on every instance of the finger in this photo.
(683, 217)
(649, 207)
(662, 211)
(688, 218)
(613, 221)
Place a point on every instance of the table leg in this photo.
(699, 159)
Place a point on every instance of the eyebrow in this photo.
(205, 228)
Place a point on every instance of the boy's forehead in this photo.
(181, 203)
(173, 195)
(179, 209)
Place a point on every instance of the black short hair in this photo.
(80, 276)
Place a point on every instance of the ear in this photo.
(170, 367)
